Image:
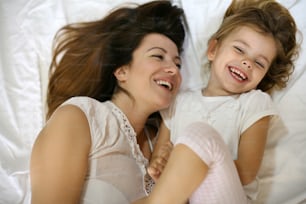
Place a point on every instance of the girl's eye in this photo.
(238, 49)
(260, 64)
(179, 66)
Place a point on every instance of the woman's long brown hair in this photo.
(87, 54)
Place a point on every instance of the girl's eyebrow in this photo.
(247, 45)
(164, 50)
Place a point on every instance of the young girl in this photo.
(251, 53)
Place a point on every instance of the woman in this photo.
(107, 78)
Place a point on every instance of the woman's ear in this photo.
(212, 49)
(121, 73)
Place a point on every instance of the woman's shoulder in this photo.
(81, 100)
(63, 123)
(86, 103)
(91, 107)
(98, 115)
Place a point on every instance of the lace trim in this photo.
(136, 152)
(149, 183)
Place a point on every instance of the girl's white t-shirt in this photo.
(229, 115)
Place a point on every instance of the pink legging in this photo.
(222, 184)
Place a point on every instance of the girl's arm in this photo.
(160, 153)
(251, 149)
(182, 175)
(59, 159)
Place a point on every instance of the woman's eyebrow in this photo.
(160, 48)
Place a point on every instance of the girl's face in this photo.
(240, 61)
(153, 77)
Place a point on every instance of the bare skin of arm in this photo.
(251, 149)
(182, 163)
(59, 159)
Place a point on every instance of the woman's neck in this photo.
(136, 115)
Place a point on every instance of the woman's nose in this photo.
(171, 68)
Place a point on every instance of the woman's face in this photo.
(153, 76)
(240, 61)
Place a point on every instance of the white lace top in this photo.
(117, 167)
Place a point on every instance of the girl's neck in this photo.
(211, 92)
(207, 91)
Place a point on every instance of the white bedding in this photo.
(27, 28)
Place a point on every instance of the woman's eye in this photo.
(158, 56)
(179, 66)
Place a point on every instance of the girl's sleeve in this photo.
(258, 105)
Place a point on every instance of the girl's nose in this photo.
(246, 63)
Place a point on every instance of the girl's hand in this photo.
(159, 160)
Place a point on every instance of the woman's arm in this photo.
(251, 149)
(161, 152)
(182, 175)
(59, 159)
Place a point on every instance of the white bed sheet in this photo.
(27, 28)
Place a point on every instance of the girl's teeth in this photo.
(242, 76)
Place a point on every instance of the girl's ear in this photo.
(212, 49)
(121, 73)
